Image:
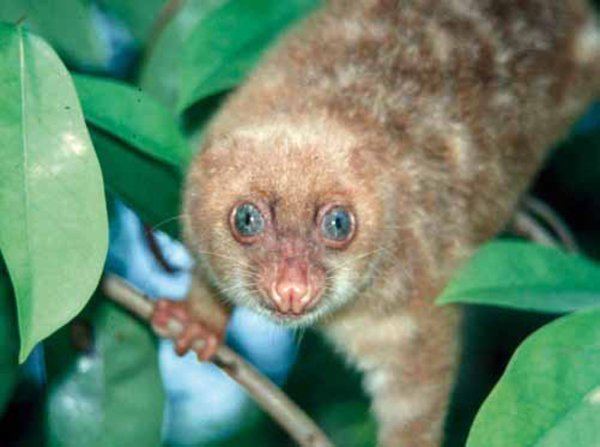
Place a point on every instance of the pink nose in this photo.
(291, 292)
(291, 296)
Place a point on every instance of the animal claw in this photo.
(196, 334)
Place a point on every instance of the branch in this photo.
(170, 9)
(544, 212)
(274, 401)
(537, 221)
(525, 225)
(154, 247)
(21, 20)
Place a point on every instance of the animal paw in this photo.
(196, 334)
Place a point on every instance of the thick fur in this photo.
(429, 119)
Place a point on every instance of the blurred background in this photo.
(107, 367)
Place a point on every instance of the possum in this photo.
(376, 146)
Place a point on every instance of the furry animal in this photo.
(375, 148)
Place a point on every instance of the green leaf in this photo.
(161, 70)
(68, 25)
(134, 117)
(9, 339)
(108, 392)
(549, 395)
(228, 41)
(526, 276)
(138, 16)
(151, 188)
(53, 231)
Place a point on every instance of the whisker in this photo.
(356, 258)
(299, 335)
(166, 221)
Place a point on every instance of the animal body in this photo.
(374, 149)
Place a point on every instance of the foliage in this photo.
(550, 392)
(53, 242)
(212, 65)
(78, 43)
(95, 385)
(51, 188)
(526, 276)
(132, 132)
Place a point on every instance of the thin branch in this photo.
(154, 247)
(553, 220)
(525, 225)
(274, 401)
(21, 20)
(170, 9)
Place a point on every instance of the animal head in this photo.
(287, 218)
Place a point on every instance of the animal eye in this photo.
(337, 224)
(248, 220)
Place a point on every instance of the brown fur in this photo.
(429, 119)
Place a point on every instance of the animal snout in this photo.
(291, 292)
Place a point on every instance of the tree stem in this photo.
(274, 401)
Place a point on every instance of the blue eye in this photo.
(248, 220)
(337, 224)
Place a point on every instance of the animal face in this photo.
(285, 218)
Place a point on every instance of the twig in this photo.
(553, 220)
(298, 425)
(21, 20)
(525, 225)
(154, 247)
(169, 10)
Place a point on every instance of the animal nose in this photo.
(292, 296)
(291, 291)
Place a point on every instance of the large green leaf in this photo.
(549, 395)
(53, 231)
(148, 186)
(138, 16)
(9, 339)
(104, 385)
(68, 25)
(526, 276)
(138, 143)
(161, 69)
(134, 117)
(226, 44)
